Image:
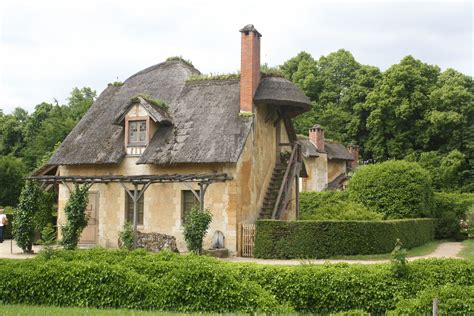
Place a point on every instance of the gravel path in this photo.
(444, 250)
(9, 250)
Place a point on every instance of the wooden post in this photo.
(135, 215)
(435, 306)
(201, 196)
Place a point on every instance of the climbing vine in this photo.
(23, 223)
(76, 216)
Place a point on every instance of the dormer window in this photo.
(137, 133)
(141, 118)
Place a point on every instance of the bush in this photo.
(126, 236)
(452, 300)
(450, 208)
(323, 239)
(126, 280)
(189, 283)
(75, 211)
(397, 189)
(333, 205)
(195, 228)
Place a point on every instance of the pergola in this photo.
(203, 180)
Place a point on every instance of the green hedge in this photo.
(170, 282)
(323, 239)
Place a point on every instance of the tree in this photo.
(398, 106)
(12, 171)
(195, 228)
(23, 223)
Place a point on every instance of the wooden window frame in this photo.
(127, 199)
(183, 192)
(146, 119)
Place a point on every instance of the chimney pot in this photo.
(249, 66)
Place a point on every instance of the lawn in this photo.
(20, 310)
(423, 250)
(468, 251)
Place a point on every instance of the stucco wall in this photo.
(317, 169)
(335, 168)
(232, 202)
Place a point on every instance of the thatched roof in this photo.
(284, 94)
(337, 151)
(332, 149)
(203, 116)
(207, 126)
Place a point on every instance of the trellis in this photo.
(203, 180)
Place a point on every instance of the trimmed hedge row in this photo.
(170, 282)
(324, 239)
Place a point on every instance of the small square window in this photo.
(137, 133)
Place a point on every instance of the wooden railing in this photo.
(292, 172)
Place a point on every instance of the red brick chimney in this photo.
(316, 136)
(354, 151)
(249, 66)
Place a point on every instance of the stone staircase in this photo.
(272, 191)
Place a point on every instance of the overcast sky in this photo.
(49, 47)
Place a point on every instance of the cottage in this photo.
(327, 163)
(167, 140)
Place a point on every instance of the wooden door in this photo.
(89, 234)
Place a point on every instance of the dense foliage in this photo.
(12, 171)
(324, 239)
(333, 205)
(453, 300)
(170, 282)
(126, 236)
(409, 109)
(75, 211)
(450, 208)
(397, 189)
(24, 225)
(195, 228)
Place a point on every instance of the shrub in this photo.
(397, 189)
(333, 205)
(452, 300)
(48, 239)
(23, 225)
(76, 216)
(162, 282)
(450, 208)
(197, 283)
(195, 228)
(399, 260)
(126, 236)
(323, 239)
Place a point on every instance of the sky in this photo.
(49, 47)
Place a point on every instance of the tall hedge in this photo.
(323, 239)
(397, 189)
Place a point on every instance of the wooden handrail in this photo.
(284, 184)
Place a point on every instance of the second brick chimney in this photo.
(354, 151)
(249, 66)
(316, 136)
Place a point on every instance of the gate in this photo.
(247, 239)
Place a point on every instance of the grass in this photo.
(468, 251)
(423, 250)
(7, 310)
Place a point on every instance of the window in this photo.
(188, 201)
(129, 209)
(137, 133)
